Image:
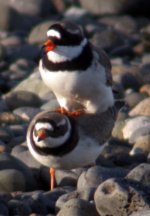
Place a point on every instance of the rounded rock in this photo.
(142, 108)
(133, 124)
(141, 174)
(11, 180)
(77, 207)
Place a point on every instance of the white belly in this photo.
(86, 87)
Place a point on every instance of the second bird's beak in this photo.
(49, 45)
(41, 135)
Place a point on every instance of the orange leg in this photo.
(75, 113)
(52, 178)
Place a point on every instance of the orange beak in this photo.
(49, 45)
(41, 134)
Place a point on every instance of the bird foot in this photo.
(75, 113)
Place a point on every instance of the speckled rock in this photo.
(142, 108)
(118, 197)
(141, 146)
(133, 124)
(141, 174)
(141, 213)
(78, 207)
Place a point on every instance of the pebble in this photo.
(142, 108)
(134, 98)
(32, 84)
(134, 124)
(111, 7)
(107, 39)
(90, 179)
(9, 162)
(12, 180)
(141, 146)
(76, 207)
(124, 24)
(145, 89)
(119, 197)
(22, 99)
(141, 174)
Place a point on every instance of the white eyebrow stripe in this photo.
(53, 33)
(40, 125)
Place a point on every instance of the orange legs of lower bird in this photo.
(52, 178)
(75, 113)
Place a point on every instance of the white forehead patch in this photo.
(40, 125)
(53, 33)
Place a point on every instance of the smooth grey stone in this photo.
(32, 84)
(64, 198)
(133, 124)
(134, 98)
(52, 196)
(50, 105)
(26, 113)
(23, 154)
(30, 8)
(140, 173)
(119, 197)
(66, 178)
(9, 162)
(77, 207)
(96, 175)
(110, 7)
(12, 180)
(138, 134)
(124, 23)
(8, 17)
(107, 40)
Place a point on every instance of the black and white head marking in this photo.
(61, 134)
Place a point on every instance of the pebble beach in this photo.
(119, 182)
